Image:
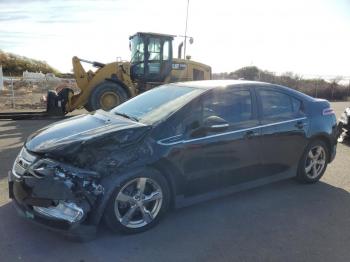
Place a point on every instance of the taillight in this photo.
(328, 111)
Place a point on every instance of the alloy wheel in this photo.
(138, 202)
(315, 162)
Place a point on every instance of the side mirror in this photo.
(210, 124)
(215, 123)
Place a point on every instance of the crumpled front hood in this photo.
(80, 129)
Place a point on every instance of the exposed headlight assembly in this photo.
(22, 162)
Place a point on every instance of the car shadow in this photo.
(282, 221)
(12, 137)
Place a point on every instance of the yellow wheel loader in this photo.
(151, 64)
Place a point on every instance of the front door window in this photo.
(234, 106)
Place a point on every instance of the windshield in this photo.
(157, 104)
(137, 49)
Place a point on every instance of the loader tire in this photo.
(106, 96)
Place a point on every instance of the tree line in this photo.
(15, 65)
(331, 90)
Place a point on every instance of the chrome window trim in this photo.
(160, 142)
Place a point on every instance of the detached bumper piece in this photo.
(343, 131)
(64, 210)
(344, 125)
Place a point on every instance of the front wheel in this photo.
(138, 204)
(313, 163)
(106, 96)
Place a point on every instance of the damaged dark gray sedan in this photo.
(171, 146)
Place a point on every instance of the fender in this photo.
(329, 140)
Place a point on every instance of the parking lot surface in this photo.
(284, 221)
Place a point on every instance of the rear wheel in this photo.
(106, 96)
(138, 204)
(314, 162)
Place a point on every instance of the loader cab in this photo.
(151, 57)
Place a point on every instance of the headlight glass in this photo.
(27, 156)
(22, 162)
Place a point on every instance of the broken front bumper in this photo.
(66, 217)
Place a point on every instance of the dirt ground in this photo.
(284, 221)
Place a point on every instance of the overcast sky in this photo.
(308, 37)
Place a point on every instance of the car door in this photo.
(218, 158)
(284, 127)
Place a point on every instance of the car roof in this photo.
(211, 84)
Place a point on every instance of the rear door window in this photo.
(275, 105)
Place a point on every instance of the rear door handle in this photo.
(250, 134)
(300, 124)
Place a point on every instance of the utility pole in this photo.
(13, 92)
(1, 79)
(188, 3)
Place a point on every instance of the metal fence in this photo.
(19, 93)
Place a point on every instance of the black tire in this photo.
(88, 106)
(302, 175)
(110, 87)
(110, 214)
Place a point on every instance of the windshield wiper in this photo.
(127, 116)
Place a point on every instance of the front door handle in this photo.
(250, 134)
